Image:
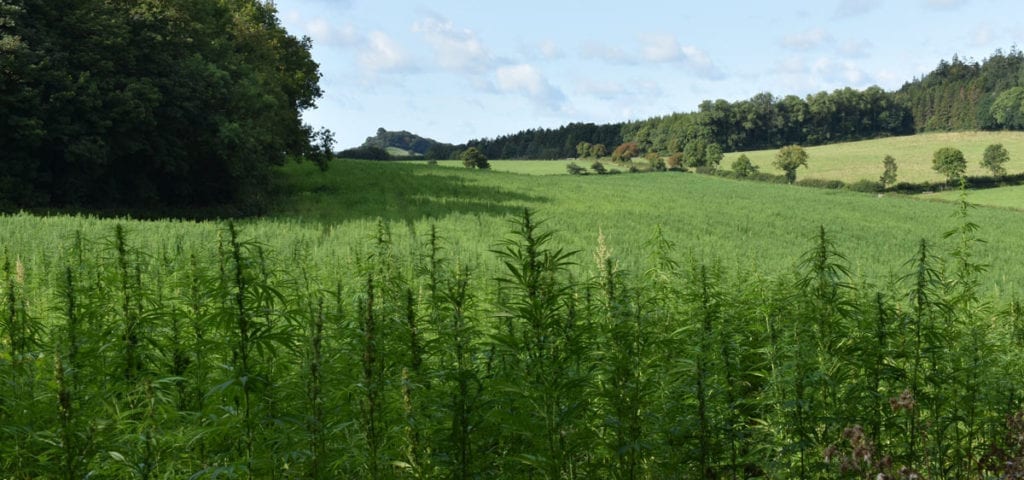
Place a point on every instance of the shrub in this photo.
(950, 162)
(866, 186)
(820, 183)
(743, 167)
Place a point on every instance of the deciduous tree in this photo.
(743, 167)
(789, 158)
(994, 158)
(474, 158)
(583, 149)
(888, 177)
(950, 162)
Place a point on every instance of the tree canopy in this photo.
(994, 158)
(950, 162)
(789, 158)
(474, 158)
(150, 102)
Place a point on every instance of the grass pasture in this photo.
(854, 161)
(743, 224)
(525, 167)
(1002, 197)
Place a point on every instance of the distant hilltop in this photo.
(410, 143)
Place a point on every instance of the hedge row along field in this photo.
(175, 350)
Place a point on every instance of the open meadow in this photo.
(395, 320)
(850, 162)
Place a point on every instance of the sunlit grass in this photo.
(1005, 197)
(855, 161)
(741, 223)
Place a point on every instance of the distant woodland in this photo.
(957, 95)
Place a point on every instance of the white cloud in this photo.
(323, 32)
(792, 66)
(841, 73)
(455, 49)
(667, 49)
(600, 51)
(383, 54)
(661, 48)
(525, 79)
(807, 40)
(853, 8)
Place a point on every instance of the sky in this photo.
(456, 70)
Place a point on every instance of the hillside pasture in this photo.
(748, 225)
(862, 160)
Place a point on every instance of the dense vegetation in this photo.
(548, 143)
(969, 95)
(152, 103)
(278, 351)
(409, 142)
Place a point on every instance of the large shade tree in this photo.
(950, 162)
(150, 103)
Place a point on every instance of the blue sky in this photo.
(456, 70)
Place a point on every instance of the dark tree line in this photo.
(544, 143)
(967, 95)
(765, 121)
(150, 103)
(761, 122)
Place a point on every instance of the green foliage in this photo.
(888, 177)
(178, 103)
(788, 159)
(598, 150)
(626, 152)
(409, 142)
(1008, 109)
(713, 155)
(547, 143)
(598, 168)
(365, 153)
(278, 349)
(949, 162)
(573, 169)
(743, 167)
(994, 158)
(583, 149)
(473, 158)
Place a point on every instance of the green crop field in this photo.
(397, 320)
(854, 161)
(737, 222)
